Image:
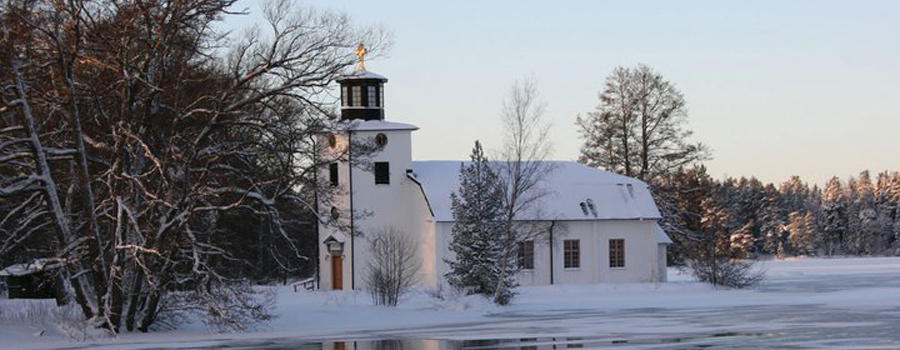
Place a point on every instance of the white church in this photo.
(606, 224)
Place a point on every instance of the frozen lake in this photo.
(805, 304)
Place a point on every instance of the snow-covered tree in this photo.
(895, 199)
(835, 226)
(681, 195)
(742, 240)
(479, 224)
(771, 223)
(865, 227)
(800, 229)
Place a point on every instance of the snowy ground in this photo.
(807, 303)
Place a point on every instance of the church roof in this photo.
(361, 74)
(575, 192)
(376, 125)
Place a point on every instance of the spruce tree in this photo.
(478, 224)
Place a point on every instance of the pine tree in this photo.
(834, 207)
(478, 214)
(885, 208)
(742, 240)
(771, 223)
(895, 199)
(867, 227)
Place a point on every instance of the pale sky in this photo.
(775, 88)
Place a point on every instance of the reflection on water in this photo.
(699, 341)
(730, 340)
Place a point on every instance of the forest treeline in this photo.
(859, 216)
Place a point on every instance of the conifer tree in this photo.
(867, 227)
(478, 223)
(771, 223)
(834, 208)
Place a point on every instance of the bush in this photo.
(393, 267)
(726, 272)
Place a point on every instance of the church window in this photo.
(526, 255)
(382, 173)
(571, 254)
(616, 253)
(333, 173)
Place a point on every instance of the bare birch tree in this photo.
(522, 169)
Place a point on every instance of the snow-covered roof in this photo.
(364, 74)
(661, 236)
(32, 267)
(575, 192)
(376, 125)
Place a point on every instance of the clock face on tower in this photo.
(381, 140)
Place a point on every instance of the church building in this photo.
(604, 226)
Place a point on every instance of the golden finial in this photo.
(361, 53)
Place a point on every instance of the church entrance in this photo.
(337, 272)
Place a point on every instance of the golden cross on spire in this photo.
(361, 53)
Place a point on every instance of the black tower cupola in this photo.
(362, 93)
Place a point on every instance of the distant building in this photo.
(35, 280)
(605, 225)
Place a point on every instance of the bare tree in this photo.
(394, 266)
(711, 257)
(638, 128)
(130, 148)
(522, 169)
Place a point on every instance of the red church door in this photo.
(337, 273)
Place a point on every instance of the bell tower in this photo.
(362, 93)
(372, 192)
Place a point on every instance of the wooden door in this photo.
(337, 273)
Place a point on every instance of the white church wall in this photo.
(641, 253)
(340, 200)
(383, 205)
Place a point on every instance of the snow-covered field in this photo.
(805, 303)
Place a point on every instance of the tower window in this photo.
(343, 96)
(334, 213)
(333, 173)
(372, 97)
(382, 173)
(571, 254)
(356, 96)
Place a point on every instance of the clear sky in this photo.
(775, 88)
